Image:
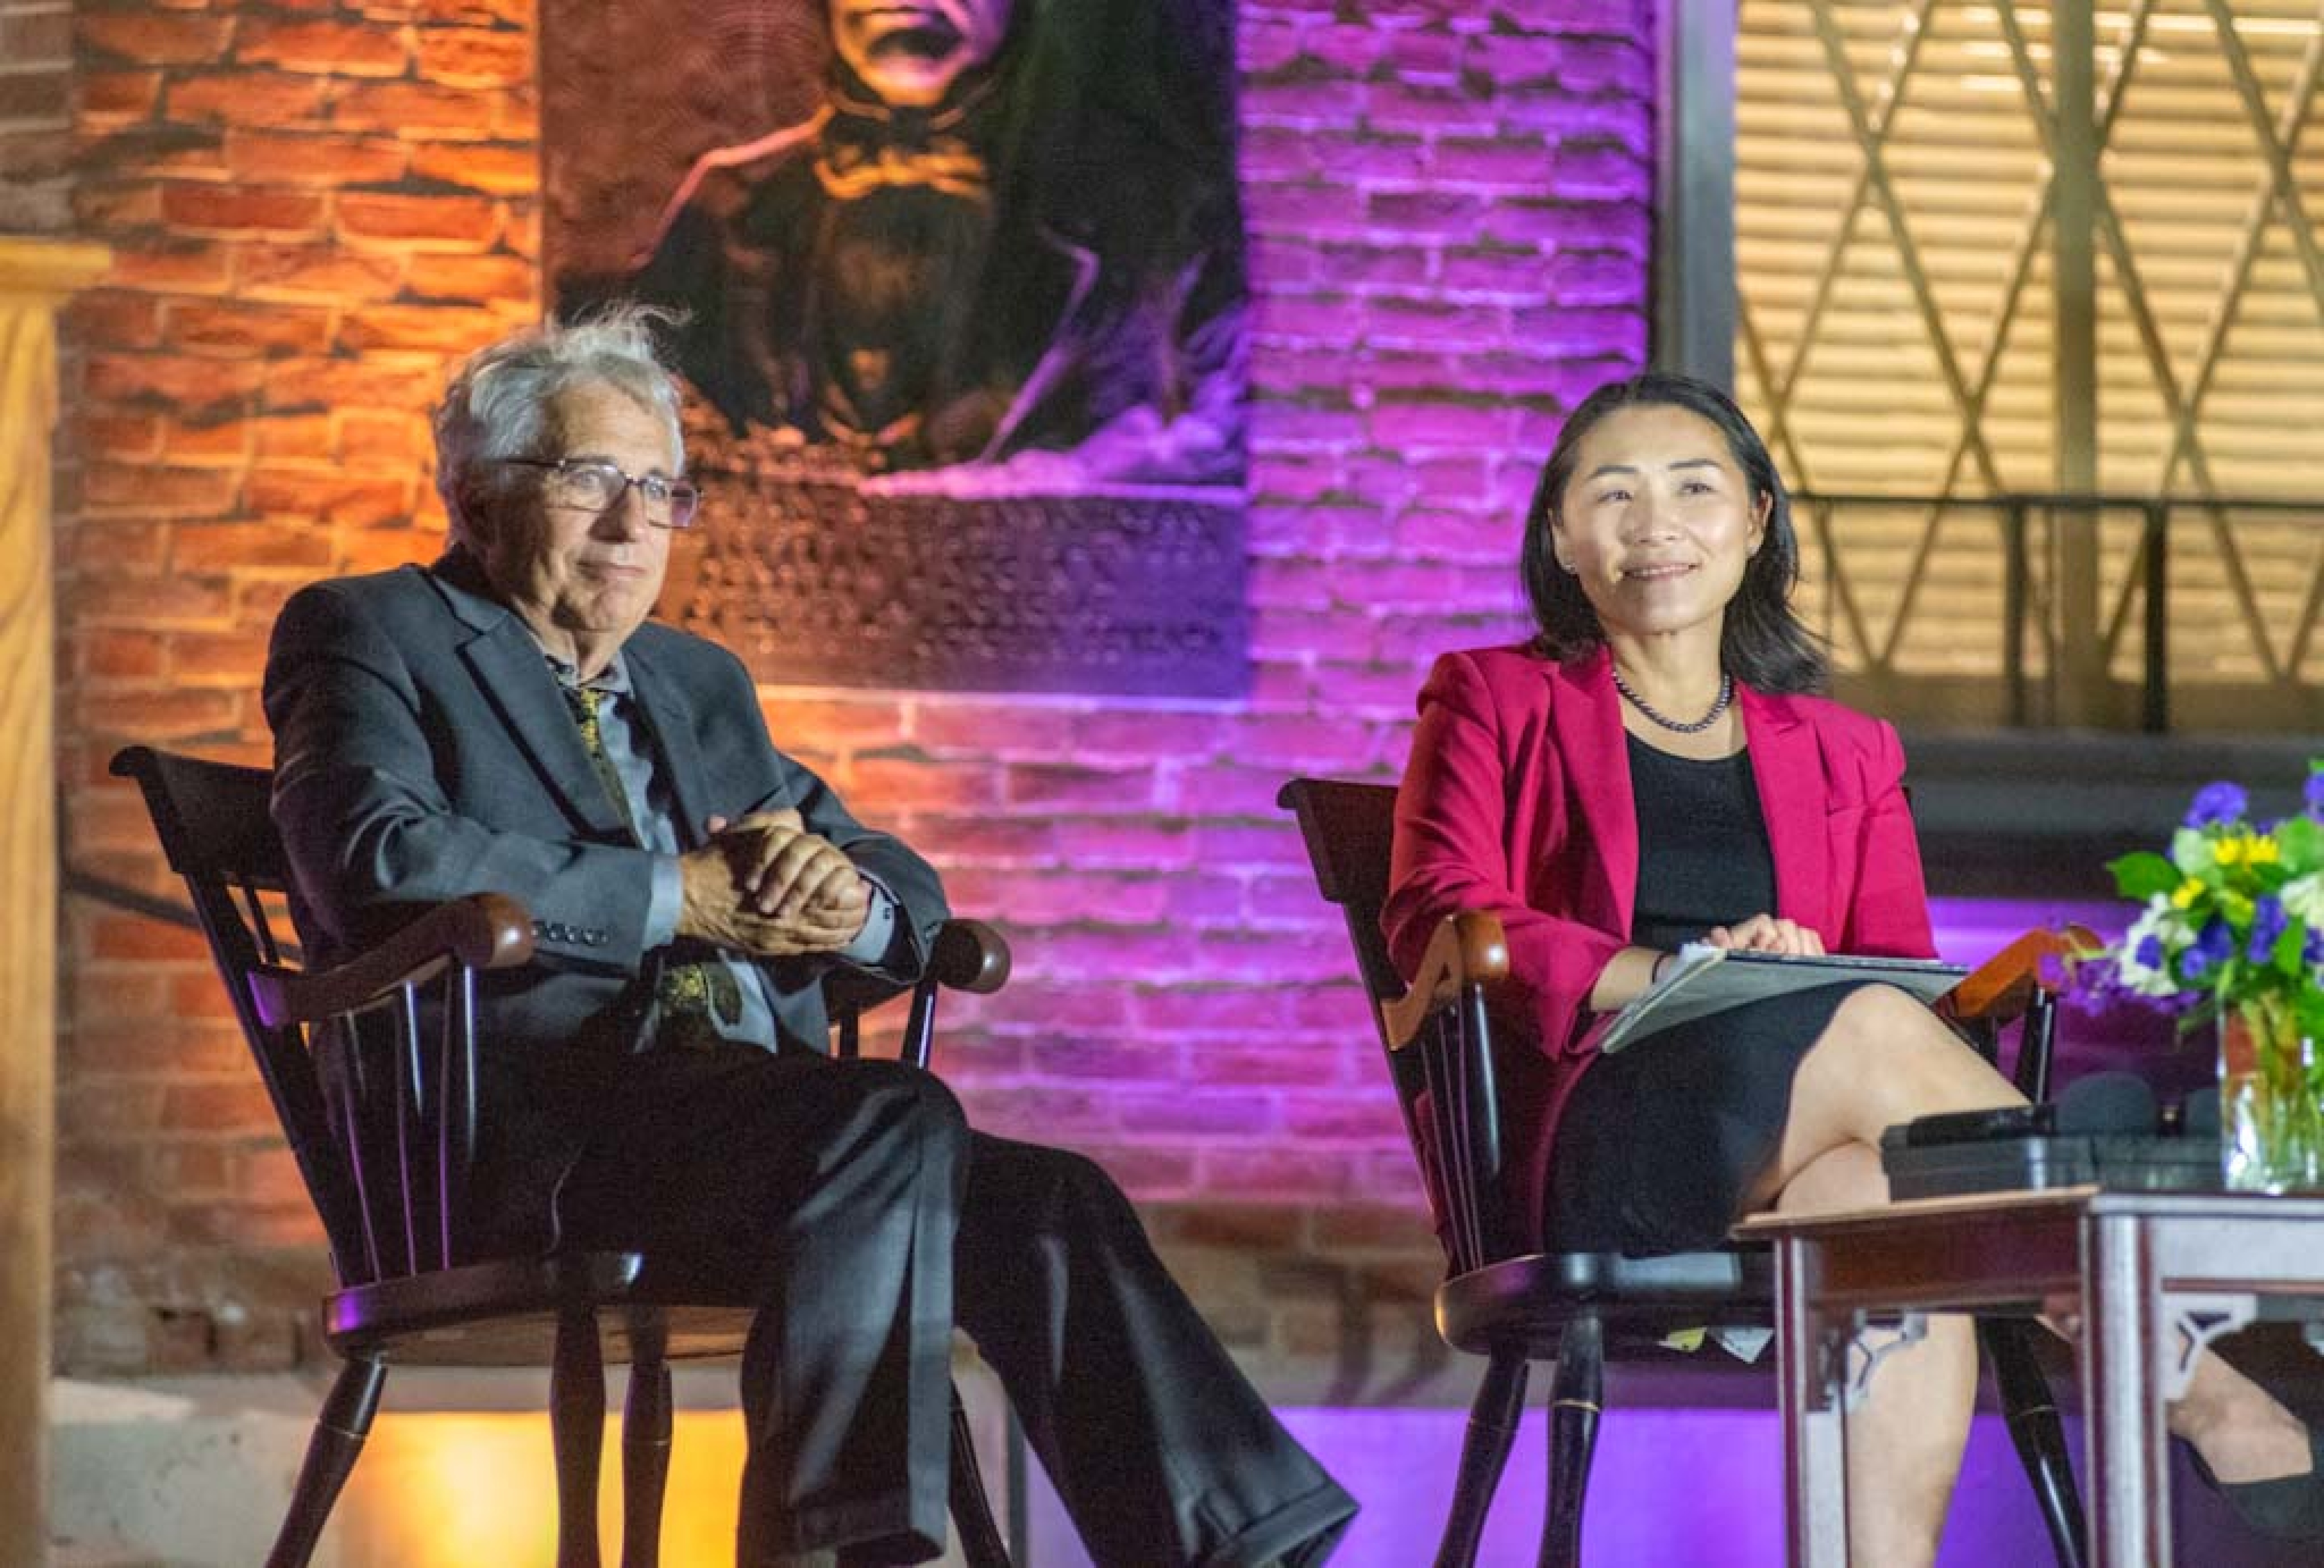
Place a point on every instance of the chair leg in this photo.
(1574, 1397)
(2032, 1417)
(1493, 1418)
(645, 1445)
(972, 1511)
(340, 1428)
(576, 1425)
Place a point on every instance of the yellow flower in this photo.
(2184, 895)
(2247, 849)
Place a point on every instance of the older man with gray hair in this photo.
(507, 719)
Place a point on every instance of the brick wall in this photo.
(314, 204)
(35, 115)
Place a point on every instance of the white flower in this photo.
(2304, 898)
(2170, 931)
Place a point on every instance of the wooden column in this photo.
(36, 276)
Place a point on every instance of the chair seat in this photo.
(505, 1312)
(1527, 1302)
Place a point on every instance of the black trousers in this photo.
(869, 1221)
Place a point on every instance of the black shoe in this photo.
(2288, 1509)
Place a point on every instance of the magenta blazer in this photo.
(1516, 800)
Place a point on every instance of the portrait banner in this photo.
(958, 288)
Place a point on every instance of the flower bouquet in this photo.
(2232, 932)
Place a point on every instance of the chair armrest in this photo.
(483, 931)
(1469, 948)
(2004, 986)
(970, 956)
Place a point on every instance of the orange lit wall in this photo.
(313, 204)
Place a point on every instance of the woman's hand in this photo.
(1768, 934)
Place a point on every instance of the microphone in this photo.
(2101, 1104)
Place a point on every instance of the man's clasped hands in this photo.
(764, 885)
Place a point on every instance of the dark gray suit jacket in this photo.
(423, 752)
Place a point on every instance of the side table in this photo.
(2152, 1277)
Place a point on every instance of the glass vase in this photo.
(2271, 1099)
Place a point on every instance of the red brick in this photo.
(885, 782)
(247, 98)
(367, 437)
(291, 158)
(328, 271)
(234, 1106)
(147, 941)
(148, 37)
(293, 436)
(335, 383)
(956, 723)
(328, 496)
(415, 108)
(153, 378)
(1198, 1113)
(442, 222)
(439, 328)
(235, 209)
(1070, 789)
(499, 169)
(519, 119)
(152, 491)
(114, 206)
(173, 265)
(268, 329)
(501, 278)
(207, 441)
(237, 658)
(123, 95)
(474, 13)
(178, 716)
(114, 318)
(127, 437)
(475, 56)
(342, 49)
(227, 547)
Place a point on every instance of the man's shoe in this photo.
(2288, 1509)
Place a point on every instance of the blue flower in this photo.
(2213, 946)
(2311, 951)
(2312, 794)
(2268, 921)
(2217, 805)
(2149, 953)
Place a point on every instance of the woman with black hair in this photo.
(1654, 768)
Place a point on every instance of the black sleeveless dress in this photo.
(1659, 1142)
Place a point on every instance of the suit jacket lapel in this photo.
(1787, 767)
(1586, 719)
(665, 710)
(514, 676)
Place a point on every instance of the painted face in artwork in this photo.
(1658, 523)
(911, 51)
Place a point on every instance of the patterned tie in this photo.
(691, 995)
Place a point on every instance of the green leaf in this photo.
(2285, 956)
(2301, 841)
(2142, 874)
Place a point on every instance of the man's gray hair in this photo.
(496, 404)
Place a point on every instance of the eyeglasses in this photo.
(593, 484)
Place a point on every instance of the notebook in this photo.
(1704, 980)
